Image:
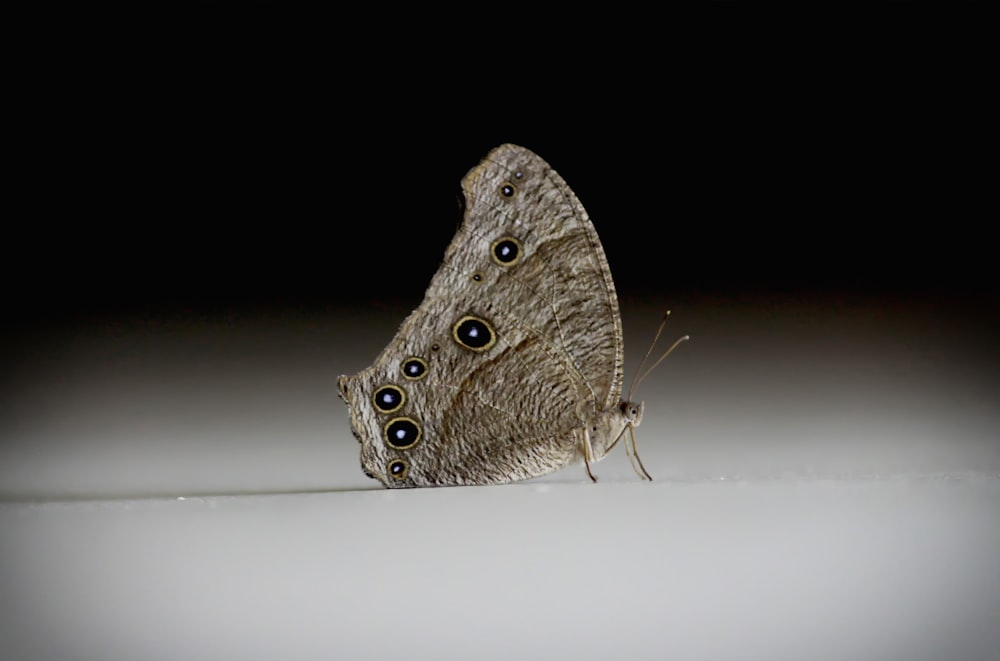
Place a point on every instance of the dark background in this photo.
(240, 157)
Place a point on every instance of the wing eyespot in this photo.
(506, 251)
(414, 368)
(474, 333)
(388, 399)
(402, 433)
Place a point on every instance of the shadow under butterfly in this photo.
(511, 367)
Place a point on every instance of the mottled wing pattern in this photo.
(517, 341)
(562, 283)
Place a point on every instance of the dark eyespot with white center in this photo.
(402, 433)
(389, 398)
(474, 333)
(506, 251)
(398, 468)
(507, 190)
(414, 368)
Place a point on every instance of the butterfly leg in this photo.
(633, 454)
(588, 453)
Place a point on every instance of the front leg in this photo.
(588, 452)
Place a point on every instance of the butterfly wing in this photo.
(517, 343)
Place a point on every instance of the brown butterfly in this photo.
(511, 367)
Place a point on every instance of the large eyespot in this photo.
(506, 251)
(389, 398)
(474, 333)
(402, 433)
(398, 468)
(414, 368)
(507, 190)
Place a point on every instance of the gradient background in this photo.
(216, 222)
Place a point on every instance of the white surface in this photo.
(828, 482)
(904, 568)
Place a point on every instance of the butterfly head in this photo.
(631, 412)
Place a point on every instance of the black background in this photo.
(248, 156)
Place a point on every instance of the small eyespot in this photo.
(506, 251)
(435, 347)
(414, 368)
(518, 175)
(478, 277)
(474, 333)
(402, 433)
(398, 468)
(507, 190)
(389, 398)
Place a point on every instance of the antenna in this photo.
(642, 375)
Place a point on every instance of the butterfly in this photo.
(512, 365)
